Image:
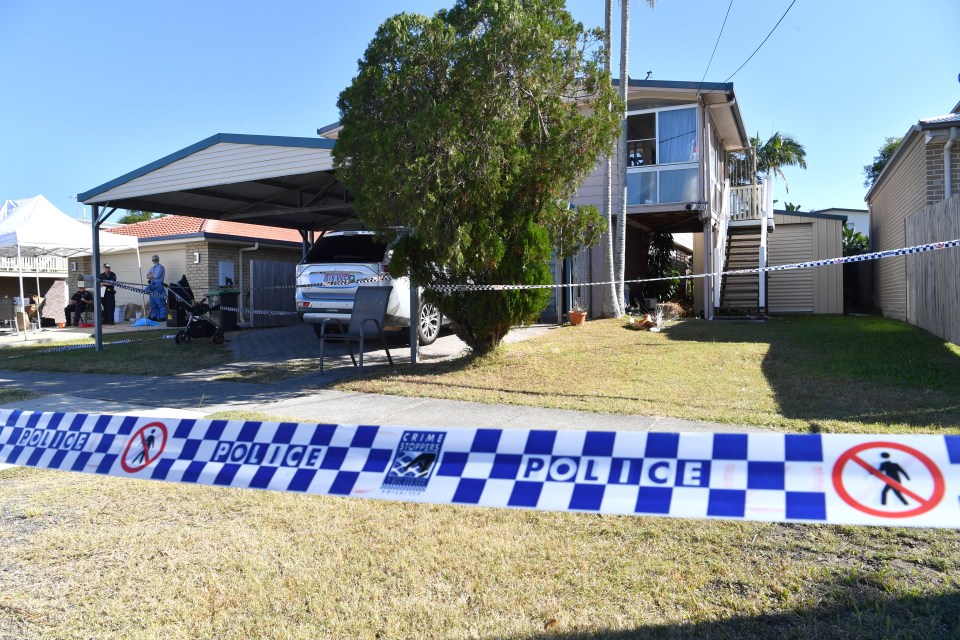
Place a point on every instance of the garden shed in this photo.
(800, 237)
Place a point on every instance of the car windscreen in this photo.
(352, 248)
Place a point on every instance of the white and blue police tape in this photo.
(876, 255)
(775, 477)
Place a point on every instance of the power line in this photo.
(764, 41)
(715, 46)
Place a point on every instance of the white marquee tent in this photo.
(35, 227)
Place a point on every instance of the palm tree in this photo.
(611, 302)
(777, 152)
(621, 248)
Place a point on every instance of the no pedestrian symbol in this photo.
(144, 447)
(888, 479)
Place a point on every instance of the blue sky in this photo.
(96, 89)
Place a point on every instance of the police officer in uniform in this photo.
(109, 298)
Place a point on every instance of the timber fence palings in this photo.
(933, 279)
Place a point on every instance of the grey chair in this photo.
(366, 319)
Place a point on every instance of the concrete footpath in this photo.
(305, 398)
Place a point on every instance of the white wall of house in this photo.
(859, 219)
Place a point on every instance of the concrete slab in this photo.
(77, 404)
(358, 408)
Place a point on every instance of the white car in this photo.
(338, 263)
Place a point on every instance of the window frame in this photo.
(659, 166)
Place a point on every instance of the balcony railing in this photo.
(747, 202)
(34, 264)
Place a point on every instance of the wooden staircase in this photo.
(740, 294)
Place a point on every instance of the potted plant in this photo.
(577, 313)
(572, 229)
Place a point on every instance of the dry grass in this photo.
(146, 353)
(94, 557)
(14, 395)
(843, 374)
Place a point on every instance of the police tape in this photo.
(901, 480)
(450, 288)
(876, 255)
(456, 288)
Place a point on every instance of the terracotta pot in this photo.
(576, 317)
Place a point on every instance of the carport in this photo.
(269, 180)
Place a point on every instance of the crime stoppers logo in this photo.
(414, 461)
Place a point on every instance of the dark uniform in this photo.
(109, 299)
(79, 303)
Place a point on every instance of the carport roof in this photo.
(271, 180)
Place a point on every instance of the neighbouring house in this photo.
(257, 261)
(858, 219)
(38, 244)
(923, 172)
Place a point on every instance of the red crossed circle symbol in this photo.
(148, 456)
(926, 504)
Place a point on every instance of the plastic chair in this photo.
(369, 307)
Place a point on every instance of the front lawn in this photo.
(85, 556)
(801, 374)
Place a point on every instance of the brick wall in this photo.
(935, 183)
(53, 291)
(203, 276)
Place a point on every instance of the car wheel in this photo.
(428, 323)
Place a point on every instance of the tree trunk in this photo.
(622, 217)
(611, 306)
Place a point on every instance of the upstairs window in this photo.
(662, 156)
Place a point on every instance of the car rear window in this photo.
(358, 248)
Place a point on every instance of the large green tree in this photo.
(872, 171)
(133, 217)
(465, 129)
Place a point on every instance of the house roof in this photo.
(172, 227)
(934, 128)
(936, 121)
(717, 95)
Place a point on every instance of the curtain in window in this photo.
(678, 185)
(678, 136)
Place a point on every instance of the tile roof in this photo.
(166, 226)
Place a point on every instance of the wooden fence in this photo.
(933, 278)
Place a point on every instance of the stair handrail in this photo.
(720, 254)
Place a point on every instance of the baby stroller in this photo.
(198, 323)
